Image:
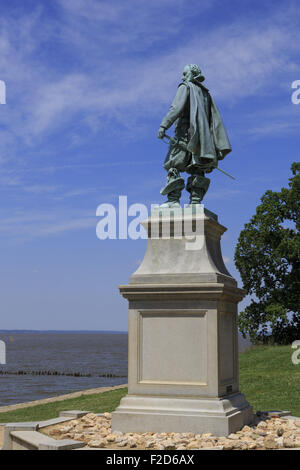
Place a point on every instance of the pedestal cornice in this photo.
(201, 291)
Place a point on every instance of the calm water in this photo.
(83, 353)
(65, 353)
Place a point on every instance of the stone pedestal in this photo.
(183, 343)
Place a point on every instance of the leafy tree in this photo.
(268, 258)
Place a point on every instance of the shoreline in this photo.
(80, 393)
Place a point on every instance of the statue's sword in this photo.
(181, 145)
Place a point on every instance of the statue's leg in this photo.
(197, 186)
(173, 188)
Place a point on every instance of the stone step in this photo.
(33, 440)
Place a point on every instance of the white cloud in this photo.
(275, 128)
(133, 24)
(106, 87)
(238, 61)
(41, 189)
(227, 260)
(9, 180)
(75, 193)
(24, 226)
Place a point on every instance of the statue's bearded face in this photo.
(187, 74)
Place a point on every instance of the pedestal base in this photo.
(183, 337)
(220, 416)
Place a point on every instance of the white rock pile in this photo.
(95, 431)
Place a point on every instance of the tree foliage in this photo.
(268, 258)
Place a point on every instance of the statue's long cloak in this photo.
(194, 109)
(208, 136)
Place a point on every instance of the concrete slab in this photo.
(51, 422)
(11, 427)
(25, 436)
(73, 414)
(33, 440)
(273, 413)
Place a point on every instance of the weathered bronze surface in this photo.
(200, 138)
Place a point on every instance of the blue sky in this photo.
(87, 85)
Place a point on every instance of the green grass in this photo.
(96, 403)
(268, 378)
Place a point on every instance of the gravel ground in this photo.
(95, 432)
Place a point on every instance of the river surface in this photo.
(89, 355)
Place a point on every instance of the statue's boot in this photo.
(197, 186)
(173, 188)
(173, 199)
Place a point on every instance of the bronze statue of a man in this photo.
(200, 138)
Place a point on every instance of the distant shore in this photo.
(63, 332)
